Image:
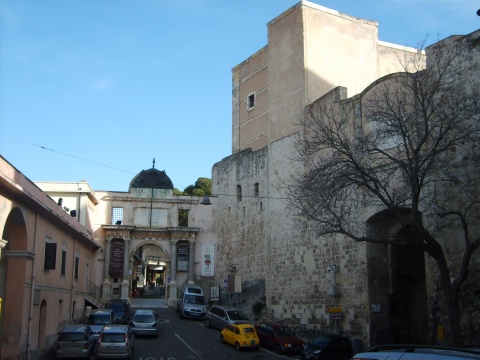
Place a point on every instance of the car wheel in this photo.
(278, 349)
(207, 323)
(222, 340)
(237, 346)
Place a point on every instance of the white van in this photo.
(191, 303)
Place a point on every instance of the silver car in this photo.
(221, 316)
(144, 322)
(75, 341)
(115, 342)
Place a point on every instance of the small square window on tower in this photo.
(251, 101)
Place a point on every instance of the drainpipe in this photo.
(73, 277)
(32, 277)
(79, 203)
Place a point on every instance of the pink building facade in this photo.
(44, 266)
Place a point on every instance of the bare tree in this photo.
(408, 146)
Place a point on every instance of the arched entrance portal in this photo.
(397, 287)
(150, 270)
(13, 267)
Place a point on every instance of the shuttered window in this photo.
(50, 256)
(64, 262)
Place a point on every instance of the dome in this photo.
(151, 179)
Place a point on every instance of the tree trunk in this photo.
(455, 338)
(450, 294)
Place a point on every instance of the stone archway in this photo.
(13, 267)
(397, 287)
(408, 317)
(150, 266)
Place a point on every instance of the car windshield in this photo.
(144, 318)
(98, 320)
(320, 342)
(283, 331)
(237, 315)
(195, 299)
(72, 337)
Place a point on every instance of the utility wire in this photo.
(76, 157)
(93, 162)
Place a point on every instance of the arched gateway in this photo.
(397, 286)
(150, 239)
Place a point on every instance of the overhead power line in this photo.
(77, 157)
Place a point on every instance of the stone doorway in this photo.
(397, 287)
(408, 300)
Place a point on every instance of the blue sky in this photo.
(95, 89)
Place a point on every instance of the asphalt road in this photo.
(180, 339)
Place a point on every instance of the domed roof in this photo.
(151, 179)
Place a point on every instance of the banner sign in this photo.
(182, 257)
(116, 260)
(208, 260)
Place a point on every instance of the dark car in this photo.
(121, 310)
(279, 337)
(98, 318)
(221, 316)
(327, 347)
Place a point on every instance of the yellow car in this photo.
(242, 336)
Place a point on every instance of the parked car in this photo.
(115, 342)
(144, 322)
(242, 336)
(327, 347)
(121, 309)
(279, 337)
(221, 316)
(98, 318)
(75, 341)
(417, 352)
(191, 303)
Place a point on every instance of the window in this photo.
(50, 256)
(251, 101)
(64, 261)
(255, 190)
(74, 310)
(239, 193)
(117, 215)
(77, 261)
(183, 218)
